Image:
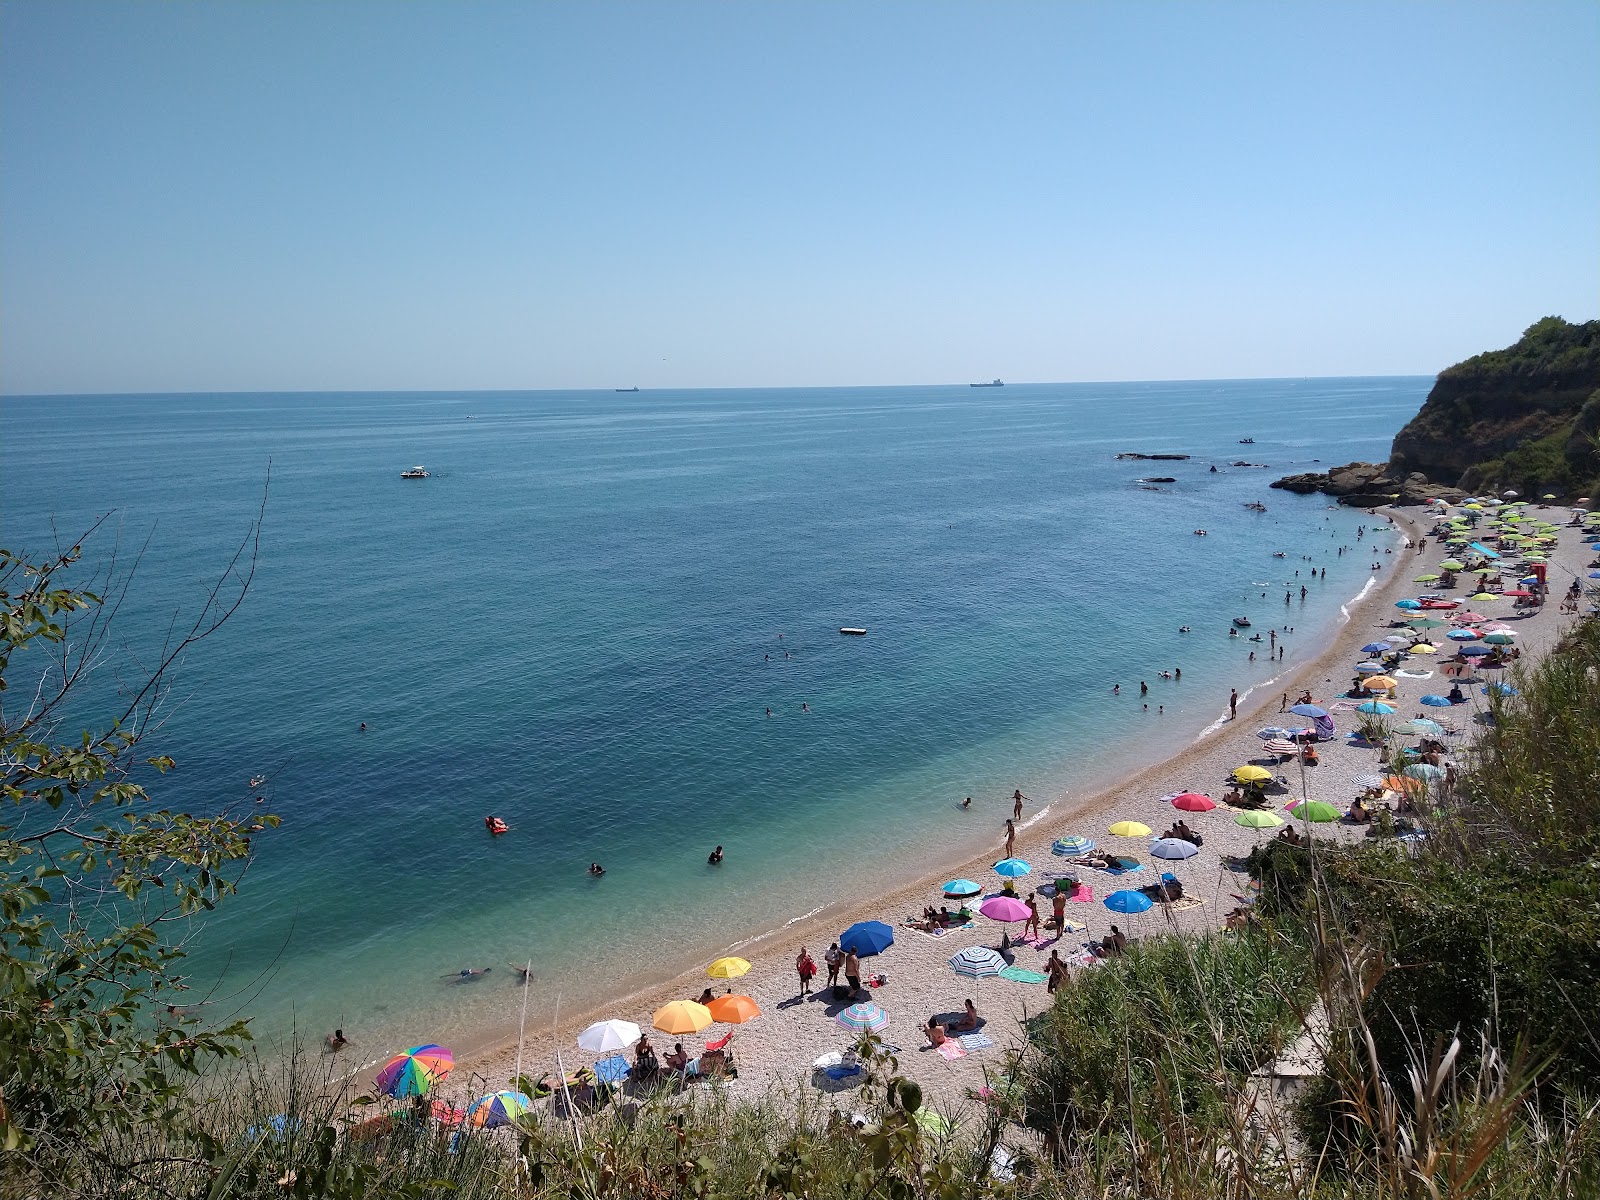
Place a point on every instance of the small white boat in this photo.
(414, 473)
(854, 632)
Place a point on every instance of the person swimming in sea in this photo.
(467, 973)
(596, 870)
(715, 856)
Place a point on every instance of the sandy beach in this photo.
(782, 1044)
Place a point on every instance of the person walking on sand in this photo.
(834, 960)
(805, 966)
(1233, 705)
(1011, 836)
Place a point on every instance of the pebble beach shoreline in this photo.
(779, 1047)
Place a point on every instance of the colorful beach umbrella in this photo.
(867, 938)
(1500, 637)
(958, 889)
(1193, 802)
(605, 1036)
(1011, 868)
(1463, 635)
(1004, 908)
(1436, 701)
(862, 1017)
(1257, 819)
(1173, 848)
(415, 1071)
(980, 962)
(681, 1017)
(1073, 845)
(1250, 774)
(502, 1108)
(1369, 668)
(1127, 901)
(728, 968)
(1375, 706)
(733, 1010)
(1130, 829)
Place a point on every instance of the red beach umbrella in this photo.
(1193, 802)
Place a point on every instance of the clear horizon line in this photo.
(5, 395)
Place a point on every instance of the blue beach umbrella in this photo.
(1425, 771)
(1173, 848)
(1408, 604)
(1127, 901)
(1011, 868)
(867, 938)
(1073, 845)
(1423, 725)
(1309, 710)
(1594, 574)
(612, 1070)
(1462, 635)
(1375, 648)
(955, 889)
(1369, 668)
(1474, 651)
(1375, 706)
(1436, 701)
(1500, 689)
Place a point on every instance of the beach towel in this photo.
(1023, 975)
(1125, 870)
(842, 1072)
(951, 1051)
(1081, 894)
(976, 1041)
(1069, 926)
(1186, 902)
(1082, 958)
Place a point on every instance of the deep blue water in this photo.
(569, 624)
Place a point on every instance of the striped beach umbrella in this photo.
(1073, 845)
(502, 1108)
(1500, 637)
(980, 962)
(414, 1072)
(862, 1017)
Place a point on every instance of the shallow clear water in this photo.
(575, 624)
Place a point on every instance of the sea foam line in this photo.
(770, 932)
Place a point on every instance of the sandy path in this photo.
(792, 1032)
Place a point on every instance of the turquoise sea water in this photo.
(575, 623)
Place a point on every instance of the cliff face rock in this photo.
(1367, 485)
(1512, 418)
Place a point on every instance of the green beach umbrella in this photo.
(1257, 819)
(1425, 578)
(1317, 810)
(1451, 564)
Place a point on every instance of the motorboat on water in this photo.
(415, 473)
(1247, 441)
(852, 632)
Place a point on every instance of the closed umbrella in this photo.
(1130, 829)
(1193, 802)
(681, 1017)
(605, 1036)
(862, 1017)
(1127, 901)
(867, 938)
(1004, 908)
(980, 962)
(1173, 848)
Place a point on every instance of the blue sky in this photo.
(263, 196)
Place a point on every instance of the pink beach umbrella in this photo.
(1004, 908)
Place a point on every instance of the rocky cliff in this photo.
(1521, 417)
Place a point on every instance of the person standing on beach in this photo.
(1233, 705)
(1283, 705)
(1011, 836)
(1058, 908)
(852, 972)
(1032, 923)
(834, 961)
(806, 968)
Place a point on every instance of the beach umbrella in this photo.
(733, 1010)
(1011, 868)
(1484, 596)
(867, 938)
(1317, 810)
(1374, 647)
(681, 1017)
(1250, 774)
(1130, 829)
(605, 1036)
(1193, 802)
(1273, 732)
(957, 889)
(1281, 748)
(1370, 668)
(502, 1108)
(1437, 701)
(1463, 635)
(980, 962)
(728, 968)
(414, 1072)
(1408, 604)
(1375, 706)
(1378, 683)
(1422, 725)
(862, 1017)
(1500, 637)
(1311, 710)
(1424, 771)
(1255, 818)
(1127, 901)
(1173, 848)
(1452, 564)
(1004, 908)
(1072, 844)
(1428, 578)
(1399, 639)
(1368, 781)
(1500, 689)
(1423, 648)
(1404, 783)
(1474, 651)
(1518, 593)
(1469, 618)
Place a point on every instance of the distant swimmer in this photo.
(1183, 629)
(469, 973)
(1200, 533)
(804, 707)
(524, 974)
(596, 870)
(967, 803)
(1116, 689)
(363, 727)
(258, 781)
(495, 825)
(336, 1041)
(715, 856)
(769, 712)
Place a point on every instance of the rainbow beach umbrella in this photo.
(502, 1108)
(414, 1072)
(862, 1017)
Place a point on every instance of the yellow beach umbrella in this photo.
(1252, 774)
(682, 1017)
(727, 968)
(1423, 648)
(1378, 683)
(1484, 596)
(733, 1010)
(1130, 829)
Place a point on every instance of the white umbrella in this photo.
(605, 1036)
